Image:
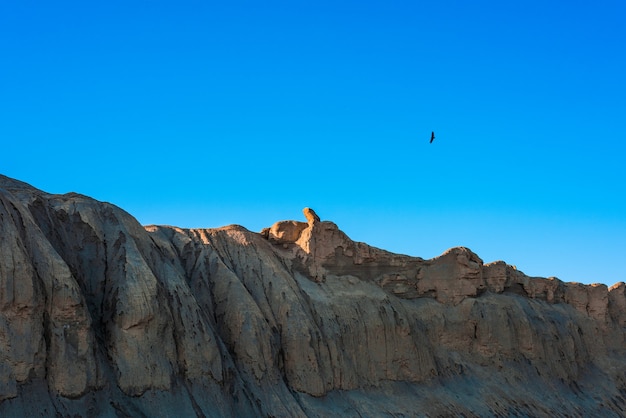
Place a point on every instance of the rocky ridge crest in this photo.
(100, 316)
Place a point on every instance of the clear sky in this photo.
(207, 113)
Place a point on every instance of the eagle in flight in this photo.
(432, 137)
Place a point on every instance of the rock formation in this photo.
(100, 316)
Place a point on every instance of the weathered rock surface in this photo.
(100, 316)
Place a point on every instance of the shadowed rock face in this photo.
(100, 316)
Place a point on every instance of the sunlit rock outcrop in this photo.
(100, 316)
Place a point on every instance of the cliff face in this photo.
(100, 316)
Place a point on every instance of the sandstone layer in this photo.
(100, 316)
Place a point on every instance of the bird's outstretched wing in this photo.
(432, 137)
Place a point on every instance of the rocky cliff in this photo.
(100, 316)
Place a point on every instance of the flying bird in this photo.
(432, 137)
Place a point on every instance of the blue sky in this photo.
(203, 114)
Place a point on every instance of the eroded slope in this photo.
(101, 316)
